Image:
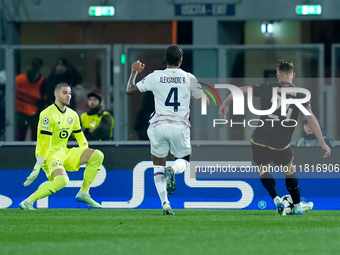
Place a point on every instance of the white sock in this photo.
(160, 183)
(180, 165)
(277, 200)
(82, 193)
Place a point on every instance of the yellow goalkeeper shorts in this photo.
(68, 159)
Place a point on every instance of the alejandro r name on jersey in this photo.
(172, 80)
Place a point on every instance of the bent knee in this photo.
(61, 181)
(99, 154)
(64, 180)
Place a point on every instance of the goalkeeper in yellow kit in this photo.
(56, 123)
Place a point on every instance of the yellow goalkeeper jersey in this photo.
(55, 128)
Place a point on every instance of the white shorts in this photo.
(165, 137)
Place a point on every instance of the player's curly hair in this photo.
(173, 55)
(284, 66)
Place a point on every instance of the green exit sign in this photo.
(101, 11)
(308, 9)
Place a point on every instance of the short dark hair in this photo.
(285, 67)
(61, 85)
(173, 55)
(37, 64)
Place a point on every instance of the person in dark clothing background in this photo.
(143, 116)
(309, 139)
(30, 99)
(63, 71)
(2, 105)
(97, 123)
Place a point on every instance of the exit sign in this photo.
(308, 9)
(101, 11)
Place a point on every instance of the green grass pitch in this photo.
(206, 232)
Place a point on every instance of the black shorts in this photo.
(264, 155)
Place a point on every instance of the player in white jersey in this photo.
(169, 128)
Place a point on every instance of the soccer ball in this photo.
(289, 205)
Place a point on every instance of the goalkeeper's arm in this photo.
(46, 143)
(81, 139)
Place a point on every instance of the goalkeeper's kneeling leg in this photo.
(59, 182)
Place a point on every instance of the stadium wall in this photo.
(128, 10)
(207, 186)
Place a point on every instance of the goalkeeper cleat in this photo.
(88, 200)
(167, 209)
(170, 180)
(280, 208)
(305, 207)
(26, 205)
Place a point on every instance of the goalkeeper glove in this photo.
(34, 174)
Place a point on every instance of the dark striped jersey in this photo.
(277, 130)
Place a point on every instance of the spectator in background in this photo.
(63, 72)
(143, 116)
(30, 99)
(97, 123)
(2, 105)
(310, 140)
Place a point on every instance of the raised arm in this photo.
(314, 125)
(225, 106)
(131, 87)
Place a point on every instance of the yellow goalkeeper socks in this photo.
(91, 170)
(59, 182)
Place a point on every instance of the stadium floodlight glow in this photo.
(101, 11)
(308, 9)
(267, 28)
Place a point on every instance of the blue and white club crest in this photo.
(46, 121)
(69, 120)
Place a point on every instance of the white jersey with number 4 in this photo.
(172, 89)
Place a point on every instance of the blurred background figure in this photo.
(63, 71)
(80, 97)
(309, 139)
(97, 123)
(2, 105)
(30, 99)
(142, 122)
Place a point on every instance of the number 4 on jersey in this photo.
(289, 110)
(175, 103)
